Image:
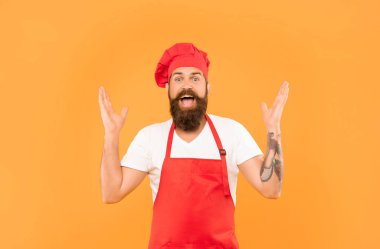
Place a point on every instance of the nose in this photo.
(187, 84)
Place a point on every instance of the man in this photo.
(193, 159)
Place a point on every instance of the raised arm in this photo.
(116, 181)
(259, 171)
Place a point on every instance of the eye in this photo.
(196, 79)
(177, 79)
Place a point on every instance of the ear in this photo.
(167, 87)
(208, 87)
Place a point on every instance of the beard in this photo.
(190, 118)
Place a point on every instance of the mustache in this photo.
(186, 92)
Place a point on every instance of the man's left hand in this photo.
(272, 116)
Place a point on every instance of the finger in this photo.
(107, 101)
(282, 100)
(264, 107)
(277, 110)
(283, 89)
(103, 108)
(279, 103)
(281, 95)
(285, 95)
(280, 91)
(101, 98)
(284, 85)
(106, 98)
(124, 112)
(281, 106)
(277, 100)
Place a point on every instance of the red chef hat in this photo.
(180, 55)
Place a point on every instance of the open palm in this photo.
(111, 120)
(272, 116)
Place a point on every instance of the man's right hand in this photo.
(111, 120)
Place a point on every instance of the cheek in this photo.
(201, 92)
(173, 93)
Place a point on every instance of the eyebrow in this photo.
(193, 73)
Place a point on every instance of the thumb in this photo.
(264, 107)
(124, 112)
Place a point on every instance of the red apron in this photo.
(193, 208)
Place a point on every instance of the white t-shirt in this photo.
(148, 148)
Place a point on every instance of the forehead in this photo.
(187, 70)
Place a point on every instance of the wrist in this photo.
(275, 129)
(274, 133)
(274, 138)
(108, 136)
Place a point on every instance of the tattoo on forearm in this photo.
(272, 157)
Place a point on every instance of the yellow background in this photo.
(55, 55)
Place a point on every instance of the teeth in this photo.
(186, 96)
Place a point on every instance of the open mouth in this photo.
(187, 100)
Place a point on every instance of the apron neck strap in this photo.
(222, 151)
(170, 140)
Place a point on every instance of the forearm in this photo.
(111, 172)
(272, 170)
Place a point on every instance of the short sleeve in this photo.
(246, 146)
(138, 155)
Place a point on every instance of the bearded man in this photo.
(192, 159)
